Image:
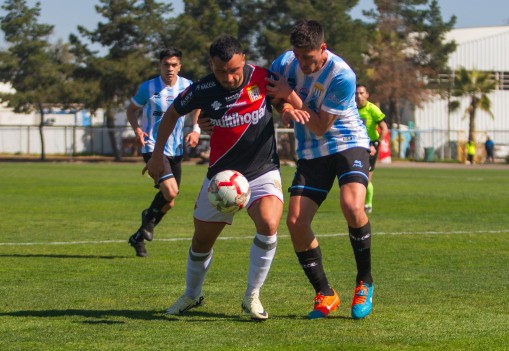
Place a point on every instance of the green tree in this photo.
(36, 71)
(133, 34)
(407, 50)
(263, 27)
(344, 36)
(476, 85)
(194, 30)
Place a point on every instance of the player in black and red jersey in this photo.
(233, 100)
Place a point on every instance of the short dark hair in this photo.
(307, 34)
(170, 52)
(225, 47)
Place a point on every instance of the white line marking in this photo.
(248, 237)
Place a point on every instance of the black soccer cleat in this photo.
(139, 246)
(147, 226)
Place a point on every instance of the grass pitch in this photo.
(70, 281)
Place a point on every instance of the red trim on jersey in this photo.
(252, 97)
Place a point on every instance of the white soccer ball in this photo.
(229, 191)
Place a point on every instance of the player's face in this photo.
(229, 74)
(361, 96)
(310, 60)
(170, 67)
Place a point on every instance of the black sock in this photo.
(360, 239)
(156, 208)
(311, 262)
(138, 237)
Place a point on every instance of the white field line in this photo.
(458, 232)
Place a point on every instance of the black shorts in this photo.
(314, 178)
(172, 168)
(372, 159)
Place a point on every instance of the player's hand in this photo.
(205, 124)
(278, 88)
(155, 167)
(140, 137)
(372, 150)
(192, 139)
(299, 116)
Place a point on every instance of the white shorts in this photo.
(268, 184)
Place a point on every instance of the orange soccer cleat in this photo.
(323, 305)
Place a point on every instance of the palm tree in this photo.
(476, 85)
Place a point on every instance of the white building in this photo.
(65, 132)
(485, 49)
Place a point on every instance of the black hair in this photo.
(170, 52)
(307, 34)
(225, 47)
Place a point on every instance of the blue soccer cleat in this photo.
(362, 300)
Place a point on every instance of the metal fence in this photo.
(414, 144)
(437, 144)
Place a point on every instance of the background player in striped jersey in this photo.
(373, 118)
(319, 94)
(233, 99)
(154, 96)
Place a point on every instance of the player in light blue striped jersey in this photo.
(153, 97)
(318, 89)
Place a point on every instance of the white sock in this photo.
(197, 266)
(262, 253)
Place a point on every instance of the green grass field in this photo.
(70, 281)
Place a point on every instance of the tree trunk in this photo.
(41, 133)
(471, 118)
(471, 125)
(110, 123)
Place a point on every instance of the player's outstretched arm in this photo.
(132, 117)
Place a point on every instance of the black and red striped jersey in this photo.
(243, 137)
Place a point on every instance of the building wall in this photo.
(483, 48)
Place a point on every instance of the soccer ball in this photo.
(229, 191)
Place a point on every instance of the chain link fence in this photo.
(411, 144)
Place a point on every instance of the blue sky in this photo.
(66, 15)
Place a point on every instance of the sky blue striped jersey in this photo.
(332, 89)
(155, 97)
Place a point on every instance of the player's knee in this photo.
(269, 225)
(200, 244)
(169, 194)
(296, 223)
(353, 208)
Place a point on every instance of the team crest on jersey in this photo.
(318, 90)
(254, 93)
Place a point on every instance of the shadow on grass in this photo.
(100, 316)
(61, 256)
(103, 316)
